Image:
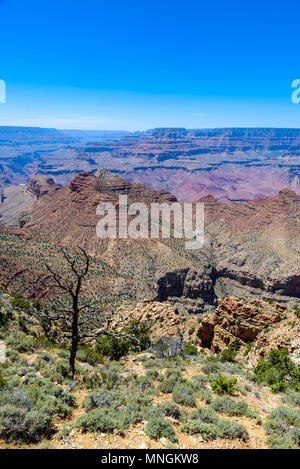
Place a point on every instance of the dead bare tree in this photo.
(75, 314)
(68, 310)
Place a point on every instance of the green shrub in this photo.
(291, 397)
(210, 367)
(231, 430)
(278, 371)
(169, 382)
(223, 385)
(171, 409)
(160, 428)
(205, 415)
(141, 331)
(104, 398)
(228, 355)
(90, 355)
(182, 394)
(19, 424)
(107, 420)
(20, 303)
(190, 349)
(3, 381)
(296, 310)
(112, 347)
(283, 428)
(208, 431)
(230, 407)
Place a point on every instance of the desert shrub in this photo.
(291, 397)
(208, 431)
(22, 342)
(296, 310)
(141, 331)
(91, 381)
(190, 349)
(65, 431)
(223, 385)
(110, 377)
(26, 414)
(169, 347)
(169, 382)
(171, 409)
(63, 353)
(198, 382)
(45, 394)
(242, 389)
(278, 371)
(104, 398)
(231, 407)
(90, 355)
(283, 428)
(4, 319)
(204, 395)
(204, 415)
(58, 372)
(3, 381)
(113, 347)
(182, 394)
(153, 374)
(160, 428)
(107, 419)
(228, 355)
(144, 383)
(12, 355)
(210, 367)
(231, 430)
(20, 303)
(21, 424)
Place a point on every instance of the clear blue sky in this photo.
(140, 64)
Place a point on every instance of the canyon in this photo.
(232, 164)
(251, 248)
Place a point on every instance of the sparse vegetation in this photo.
(283, 428)
(153, 392)
(223, 385)
(278, 371)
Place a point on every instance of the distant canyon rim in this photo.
(231, 164)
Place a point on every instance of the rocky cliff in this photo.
(258, 325)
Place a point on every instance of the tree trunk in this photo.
(74, 342)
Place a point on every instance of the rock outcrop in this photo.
(258, 325)
(16, 200)
(164, 319)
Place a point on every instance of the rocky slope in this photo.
(17, 199)
(250, 248)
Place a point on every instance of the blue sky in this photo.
(137, 65)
